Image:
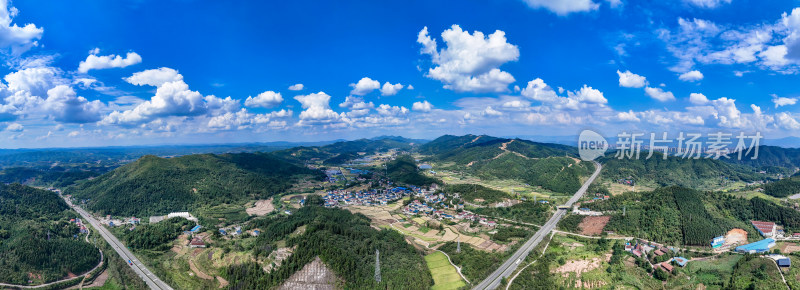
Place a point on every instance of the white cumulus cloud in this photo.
(631, 80)
(154, 77)
(317, 109)
(691, 76)
(108, 61)
(364, 86)
(389, 89)
(783, 101)
(13, 37)
(266, 99)
(659, 94)
(423, 106)
(470, 61)
(296, 87)
(698, 99)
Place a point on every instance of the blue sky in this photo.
(92, 73)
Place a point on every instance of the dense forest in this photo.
(784, 187)
(470, 192)
(769, 157)
(693, 173)
(680, 215)
(158, 236)
(156, 186)
(404, 170)
(36, 236)
(346, 244)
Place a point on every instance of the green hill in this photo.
(694, 173)
(549, 166)
(156, 186)
(344, 241)
(467, 148)
(36, 237)
(784, 187)
(404, 170)
(678, 215)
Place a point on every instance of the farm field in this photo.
(444, 275)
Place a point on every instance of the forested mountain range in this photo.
(156, 186)
(37, 237)
(345, 151)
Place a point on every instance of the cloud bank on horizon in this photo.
(684, 68)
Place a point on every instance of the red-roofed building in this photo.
(197, 243)
(666, 266)
(766, 229)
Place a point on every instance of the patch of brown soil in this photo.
(593, 225)
(261, 208)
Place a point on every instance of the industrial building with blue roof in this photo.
(761, 246)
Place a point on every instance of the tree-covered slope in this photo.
(784, 187)
(156, 186)
(468, 148)
(550, 166)
(344, 241)
(37, 237)
(404, 170)
(679, 215)
(769, 157)
(688, 172)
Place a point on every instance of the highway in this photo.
(510, 265)
(148, 277)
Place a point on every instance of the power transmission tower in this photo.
(623, 211)
(458, 246)
(377, 266)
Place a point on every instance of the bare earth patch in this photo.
(593, 225)
(789, 248)
(314, 275)
(261, 208)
